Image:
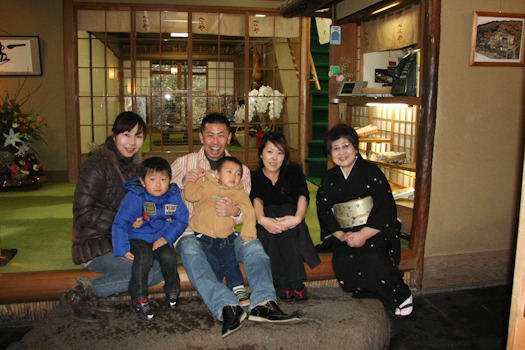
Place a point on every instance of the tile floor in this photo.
(474, 318)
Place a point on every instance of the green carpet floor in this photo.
(38, 224)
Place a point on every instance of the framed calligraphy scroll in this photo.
(20, 55)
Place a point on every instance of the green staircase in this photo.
(317, 161)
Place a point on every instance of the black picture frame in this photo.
(20, 55)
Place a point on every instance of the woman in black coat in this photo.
(97, 198)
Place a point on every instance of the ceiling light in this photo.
(260, 15)
(386, 7)
(323, 10)
(179, 35)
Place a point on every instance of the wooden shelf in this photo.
(407, 166)
(373, 139)
(363, 100)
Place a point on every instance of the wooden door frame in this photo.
(426, 131)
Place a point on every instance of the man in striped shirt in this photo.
(215, 136)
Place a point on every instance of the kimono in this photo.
(371, 270)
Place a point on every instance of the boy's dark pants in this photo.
(221, 256)
(144, 255)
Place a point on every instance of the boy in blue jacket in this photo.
(159, 202)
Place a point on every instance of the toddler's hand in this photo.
(138, 223)
(246, 238)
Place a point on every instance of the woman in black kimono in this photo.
(280, 198)
(358, 217)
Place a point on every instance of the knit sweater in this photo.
(206, 191)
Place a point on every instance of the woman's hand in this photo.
(339, 235)
(289, 221)
(193, 175)
(129, 256)
(225, 207)
(355, 239)
(271, 225)
(159, 243)
(359, 238)
(138, 223)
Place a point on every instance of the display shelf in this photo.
(406, 166)
(373, 139)
(363, 100)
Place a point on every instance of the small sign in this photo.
(335, 35)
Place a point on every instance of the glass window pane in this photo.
(86, 137)
(84, 104)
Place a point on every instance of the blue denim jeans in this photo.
(215, 294)
(117, 273)
(142, 263)
(221, 256)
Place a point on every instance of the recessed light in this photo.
(179, 35)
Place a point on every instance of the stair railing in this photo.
(313, 71)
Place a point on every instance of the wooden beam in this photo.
(427, 129)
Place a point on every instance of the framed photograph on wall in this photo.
(20, 55)
(497, 39)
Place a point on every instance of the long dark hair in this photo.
(280, 142)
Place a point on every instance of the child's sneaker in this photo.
(143, 310)
(172, 300)
(241, 294)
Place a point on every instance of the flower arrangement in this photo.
(261, 101)
(18, 129)
(341, 72)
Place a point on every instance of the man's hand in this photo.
(225, 207)
(129, 256)
(193, 175)
(159, 243)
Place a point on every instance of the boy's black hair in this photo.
(225, 159)
(215, 118)
(155, 164)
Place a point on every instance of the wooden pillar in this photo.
(427, 128)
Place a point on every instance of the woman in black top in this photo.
(358, 216)
(280, 198)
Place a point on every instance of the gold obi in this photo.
(353, 213)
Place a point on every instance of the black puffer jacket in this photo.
(98, 195)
